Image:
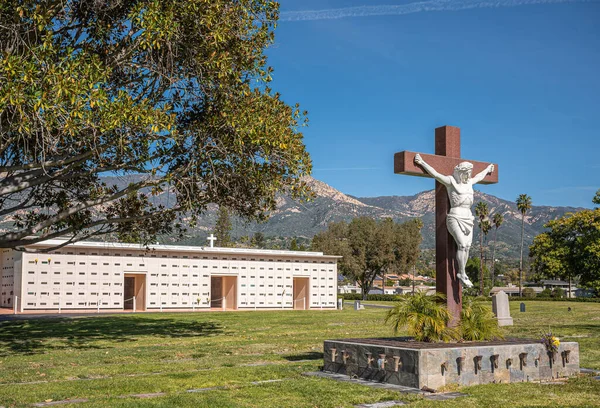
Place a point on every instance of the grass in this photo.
(107, 358)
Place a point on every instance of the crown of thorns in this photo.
(464, 166)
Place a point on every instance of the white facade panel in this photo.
(91, 275)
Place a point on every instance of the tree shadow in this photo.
(35, 336)
(311, 355)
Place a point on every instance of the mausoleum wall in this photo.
(91, 275)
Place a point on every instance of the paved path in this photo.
(351, 305)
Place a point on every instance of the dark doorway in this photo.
(129, 293)
(216, 292)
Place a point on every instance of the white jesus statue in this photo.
(460, 219)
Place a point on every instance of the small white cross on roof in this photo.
(212, 240)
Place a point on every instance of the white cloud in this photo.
(417, 7)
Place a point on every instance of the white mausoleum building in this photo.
(111, 276)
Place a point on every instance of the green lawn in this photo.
(103, 359)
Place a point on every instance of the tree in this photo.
(482, 212)
(258, 240)
(294, 245)
(371, 248)
(596, 199)
(165, 96)
(497, 220)
(558, 293)
(569, 248)
(223, 228)
(523, 205)
(512, 275)
(528, 293)
(473, 270)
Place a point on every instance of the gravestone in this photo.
(522, 307)
(501, 309)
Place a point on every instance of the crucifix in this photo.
(212, 240)
(453, 200)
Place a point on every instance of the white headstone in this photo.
(501, 309)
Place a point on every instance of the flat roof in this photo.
(184, 248)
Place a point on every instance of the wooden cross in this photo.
(212, 239)
(447, 156)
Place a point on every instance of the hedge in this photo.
(549, 299)
(392, 298)
(358, 296)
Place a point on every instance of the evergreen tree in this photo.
(173, 94)
(569, 249)
(258, 240)
(524, 205)
(223, 228)
(497, 220)
(371, 248)
(482, 212)
(294, 245)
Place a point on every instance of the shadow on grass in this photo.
(41, 335)
(311, 355)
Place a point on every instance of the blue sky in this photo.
(520, 79)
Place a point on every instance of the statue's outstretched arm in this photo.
(439, 177)
(480, 176)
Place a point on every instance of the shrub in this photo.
(386, 298)
(478, 323)
(528, 293)
(425, 316)
(358, 296)
(350, 296)
(558, 293)
(579, 299)
(546, 293)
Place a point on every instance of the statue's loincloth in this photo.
(460, 223)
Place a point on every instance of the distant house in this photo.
(580, 292)
(396, 279)
(388, 290)
(348, 288)
(512, 290)
(555, 283)
(401, 290)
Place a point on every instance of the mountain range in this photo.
(294, 218)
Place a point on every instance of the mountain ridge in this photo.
(294, 218)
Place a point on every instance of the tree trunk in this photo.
(521, 261)
(481, 261)
(494, 257)
(569, 294)
(365, 290)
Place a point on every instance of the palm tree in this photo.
(426, 317)
(482, 212)
(523, 204)
(497, 220)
